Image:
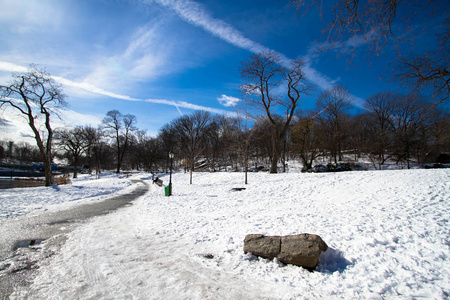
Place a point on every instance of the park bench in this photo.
(158, 181)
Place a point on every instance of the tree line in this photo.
(268, 129)
(396, 127)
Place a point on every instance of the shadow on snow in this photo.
(332, 261)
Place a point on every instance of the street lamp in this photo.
(170, 177)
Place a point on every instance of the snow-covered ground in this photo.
(388, 233)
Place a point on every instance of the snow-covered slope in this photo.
(388, 233)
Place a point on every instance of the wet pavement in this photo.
(20, 237)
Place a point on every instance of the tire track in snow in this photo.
(48, 226)
(170, 261)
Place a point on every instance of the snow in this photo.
(388, 233)
(20, 201)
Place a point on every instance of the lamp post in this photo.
(170, 177)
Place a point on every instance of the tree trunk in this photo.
(276, 154)
(407, 153)
(48, 148)
(89, 157)
(48, 171)
(118, 151)
(75, 165)
(119, 162)
(190, 173)
(284, 156)
(45, 154)
(246, 166)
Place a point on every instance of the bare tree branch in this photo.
(35, 95)
(263, 75)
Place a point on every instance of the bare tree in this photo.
(104, 156)
(36, 96)
(145, 151)
(355, 19)
(362, 135)
(240, 135)
(333, 105)
(427, 71)
(2, 151)
(73, 142)
(260, 140)
(263, 75)
(381, 107)
(213, 141)
(91, 138)
(373, 21)
(26, 153)
(190, 131)
(440, 133)
(167, 136)
(306, 138)
(410, 114)
(119, 128)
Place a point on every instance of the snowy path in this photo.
(113, 252)
(388, 232)
(16, 265)
(20, 201)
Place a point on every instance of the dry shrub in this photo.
(62, 180)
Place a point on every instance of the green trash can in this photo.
(167, 190)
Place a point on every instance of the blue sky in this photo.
(157, 59)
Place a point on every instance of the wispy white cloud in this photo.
(5, 66)
(145, 56)
(346, 46)
(10, 67)
(37, 15)
(148, 52)
(92, 88)
(14, 125)
(360, 40)
(349, 45)
(197, 15)
(187, 105)
(177, 104)
(316, 77)
(228, 101)
(41, 32)
(357, 101)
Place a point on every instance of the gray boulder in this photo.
(262, 246)
(302, 250)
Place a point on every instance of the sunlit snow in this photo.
(388, 233)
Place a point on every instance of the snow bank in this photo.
(388, 234)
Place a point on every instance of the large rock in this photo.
(302, 250)
(263, 246)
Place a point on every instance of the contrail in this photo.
(181, 114)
